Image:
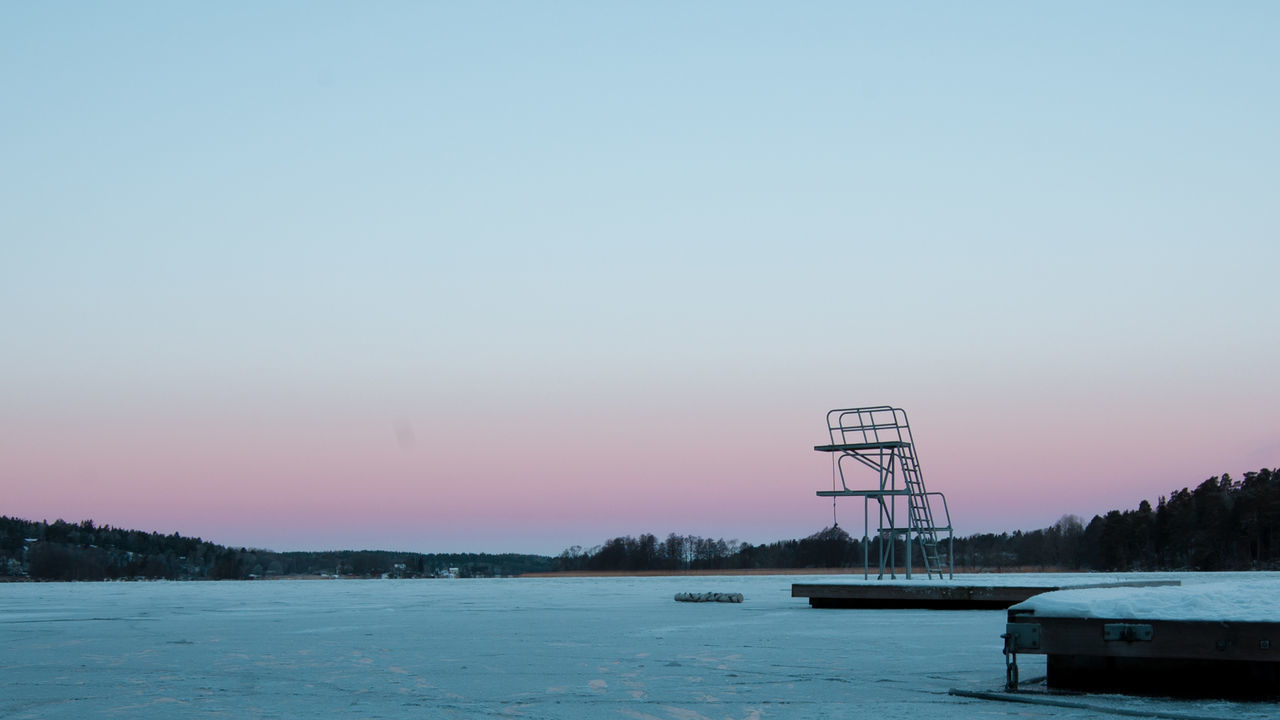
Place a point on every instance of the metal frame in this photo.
(879, 438)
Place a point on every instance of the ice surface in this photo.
(1208, 599)
(535, 648)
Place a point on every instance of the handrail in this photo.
(945, 510)
(871, 424)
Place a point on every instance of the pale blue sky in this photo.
(362, 213)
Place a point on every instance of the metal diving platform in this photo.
(878, 439)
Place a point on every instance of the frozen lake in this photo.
(536, 648)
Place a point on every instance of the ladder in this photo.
(920, 513)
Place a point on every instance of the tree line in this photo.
(83, 551)
(831, 547)
(1223, 524)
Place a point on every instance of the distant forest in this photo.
(1223, 524)
(83, 551)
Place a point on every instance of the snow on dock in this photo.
(1252, 600)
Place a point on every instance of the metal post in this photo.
(908, 548)
(893, 536)
(866, 542)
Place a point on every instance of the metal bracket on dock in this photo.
(1022, 636)
(1017, 636)
(1127, 632)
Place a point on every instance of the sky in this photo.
(512, 277)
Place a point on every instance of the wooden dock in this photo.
(957, 596)
(1162, 657)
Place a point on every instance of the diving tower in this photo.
(879, 438)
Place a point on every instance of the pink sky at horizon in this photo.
(555, 480)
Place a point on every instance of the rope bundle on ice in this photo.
(709, 597)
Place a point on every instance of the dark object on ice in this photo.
(1149, 657)
(1096, 708)
(709, 597)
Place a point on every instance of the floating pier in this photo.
(1143, 642)
(952, 596)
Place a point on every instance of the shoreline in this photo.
(579, 574)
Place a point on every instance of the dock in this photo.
(1155, 657)
(946, 596)
(1219, 639)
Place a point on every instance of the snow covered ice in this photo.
(535, 648)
